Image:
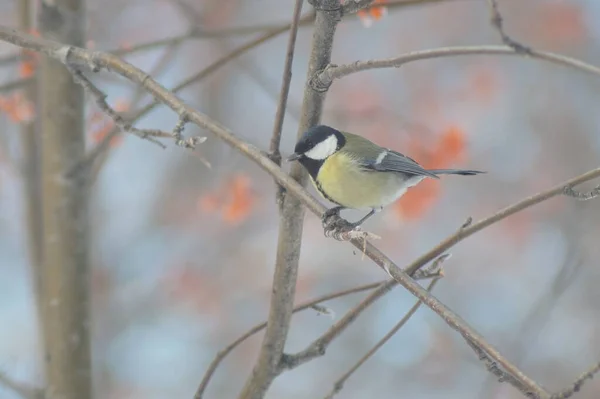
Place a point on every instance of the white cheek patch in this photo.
(324, 149)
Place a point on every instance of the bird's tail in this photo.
(455, 172)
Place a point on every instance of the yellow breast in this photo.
(341, 181)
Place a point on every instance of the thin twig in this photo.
(274, 152)
(578, 383)
(497, 23)
(498, 216)
(319, 346)
(326, 77)
(537, 315)
(198, 33)
(259, 327)
(100, 99)
(339, 384)
(103, 145)
(137, 96)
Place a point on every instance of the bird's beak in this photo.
(293, 157)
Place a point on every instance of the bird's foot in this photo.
(339, 228)
(330, 216)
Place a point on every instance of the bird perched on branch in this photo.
(355, 173)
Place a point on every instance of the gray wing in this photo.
(395, 162)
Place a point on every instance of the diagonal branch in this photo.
(259, 327)
(339, 384)
(495, 370)
(578, 383)
(498, 24)
(103, 145)
(319, 346)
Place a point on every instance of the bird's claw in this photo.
(330, 216)
(338, 228)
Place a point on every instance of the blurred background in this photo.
(183, 253)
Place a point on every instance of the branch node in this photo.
(190, 142)
(582, 196)
(321, 81)
(497, 22)
(435, 270)
(323, 310)
(467, 223)
(62, 54)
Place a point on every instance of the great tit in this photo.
(356, 173)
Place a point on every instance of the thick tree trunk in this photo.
(65, 275)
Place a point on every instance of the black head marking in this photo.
(309, 140)
(315, 135)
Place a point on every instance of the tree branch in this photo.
(259, 327)
(498, 24)
(325, 78)
(339, 384)
(292, 217)
(319, 346)
(578, 383)
(274, 152)
(104, 145)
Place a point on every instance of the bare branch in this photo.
(326, 77)
(209, 70)
(138, 94)
(283, 96)
(503, 376)
(291, 220)
(498, 216)
(339, 384)
(576, 386)
(319, 346)
(259, 327)
(198, 33)
(497, 22)
(100, 99)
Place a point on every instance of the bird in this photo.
(355, 173)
